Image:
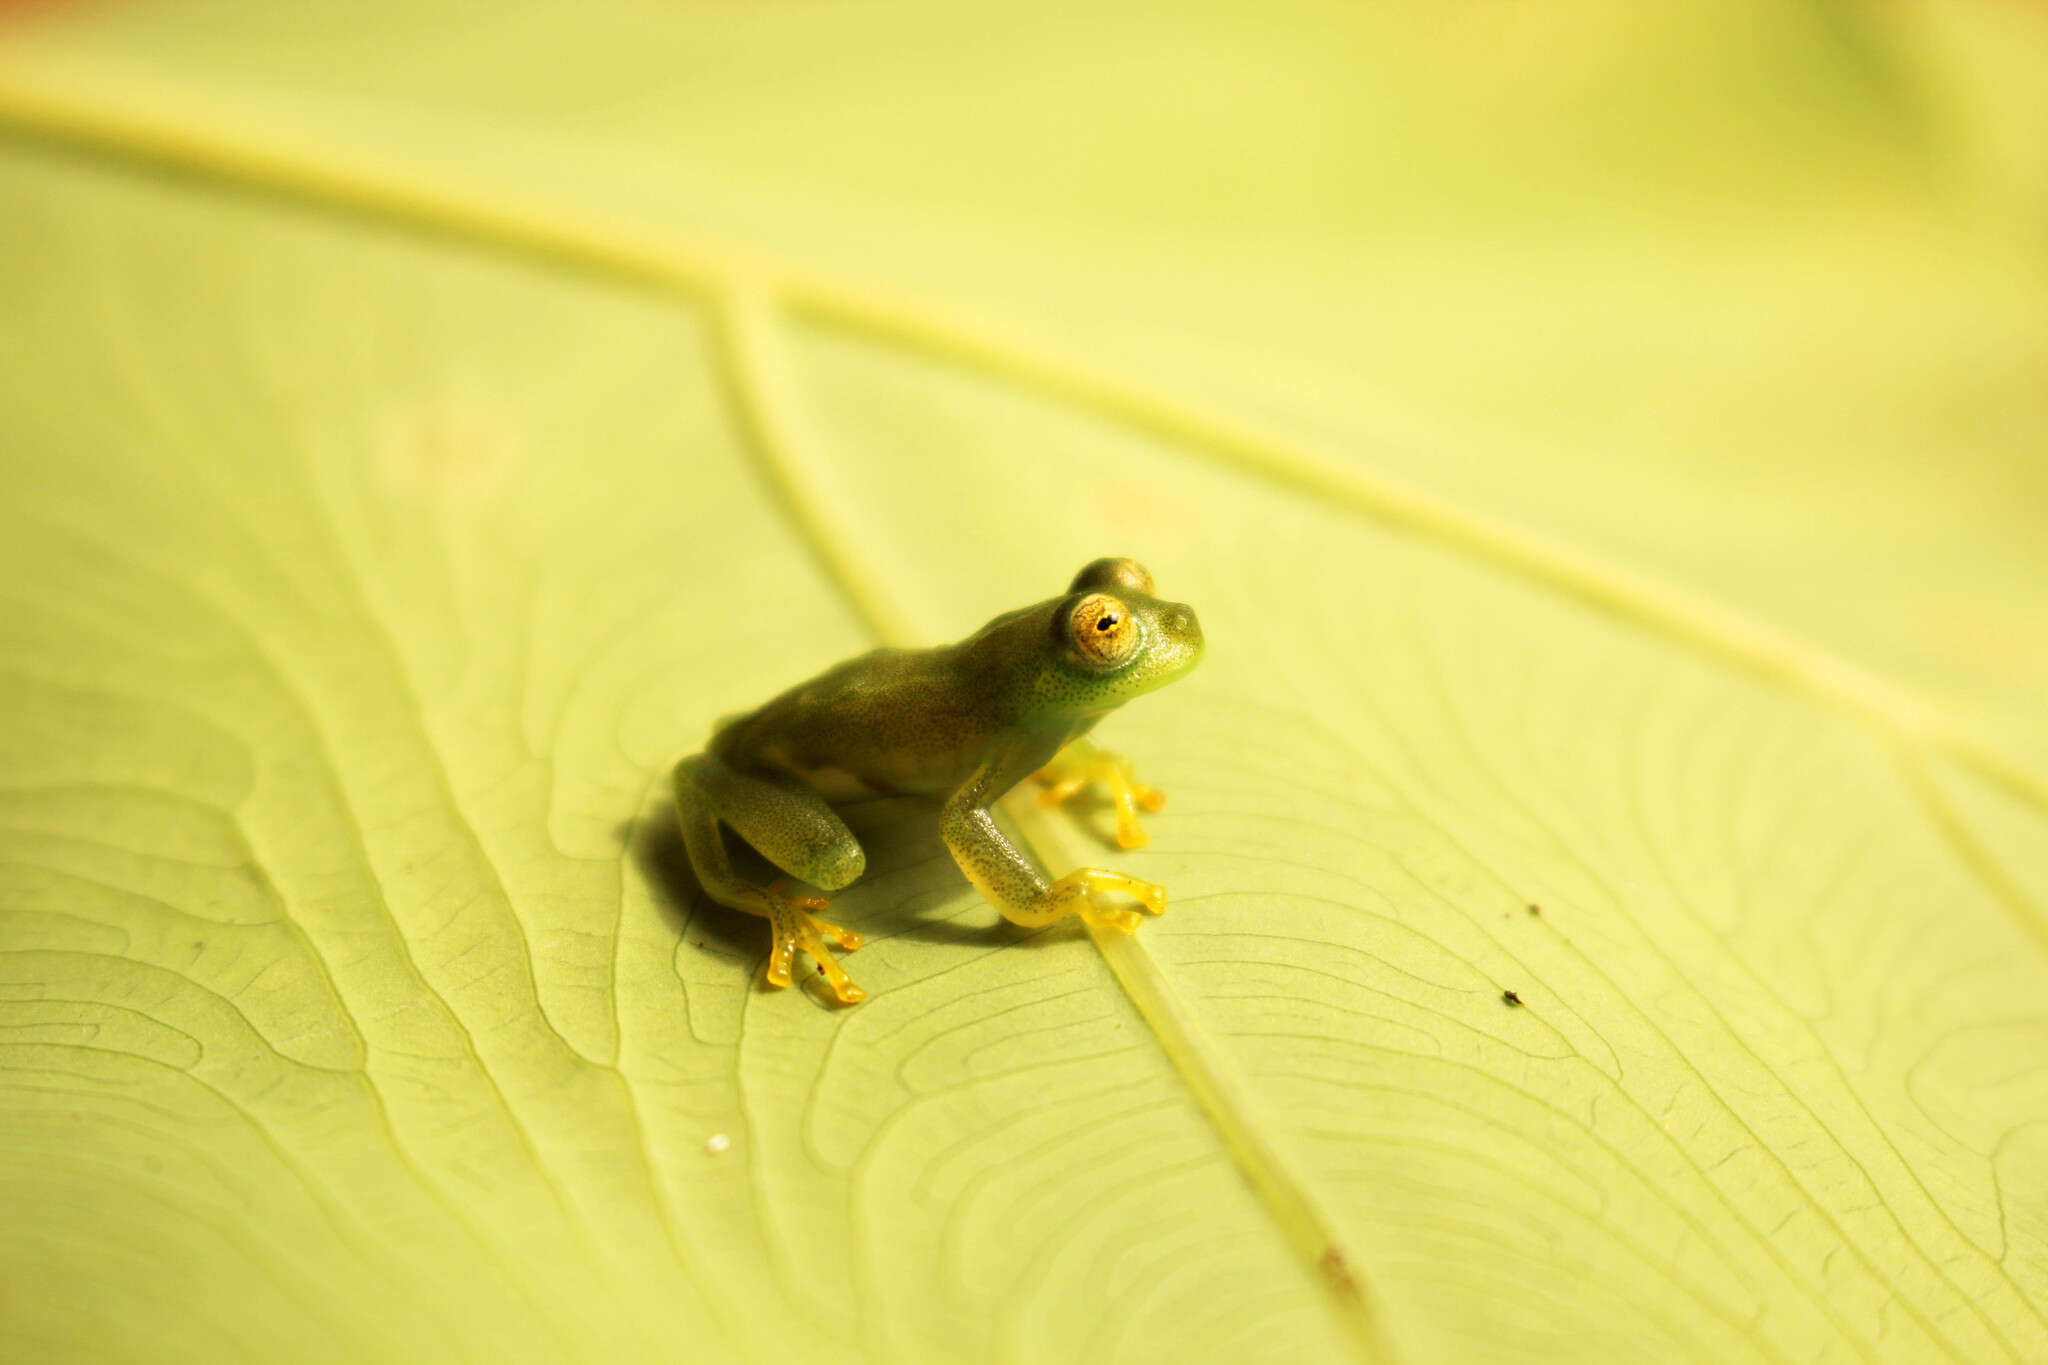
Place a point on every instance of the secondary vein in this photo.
(758, 377)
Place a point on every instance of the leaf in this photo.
(402, 470)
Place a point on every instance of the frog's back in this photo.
(890, 720)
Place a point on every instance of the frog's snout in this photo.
(1185, 632)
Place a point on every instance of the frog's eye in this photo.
(1102, 630)
(1126, 574)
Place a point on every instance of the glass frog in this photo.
(968, 721)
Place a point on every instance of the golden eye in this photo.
(1127, 574)
(1103, 630)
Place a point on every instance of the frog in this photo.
(963, 723)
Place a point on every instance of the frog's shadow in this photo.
(894, 845)
(656, 847)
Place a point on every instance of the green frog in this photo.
(968, 721)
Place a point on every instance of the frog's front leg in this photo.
(1082, 763)
(793, 828)
(1010, 880)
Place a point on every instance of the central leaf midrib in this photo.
(661, 260)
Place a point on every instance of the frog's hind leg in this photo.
(794, 829)
(786, 822)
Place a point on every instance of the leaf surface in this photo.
(417, 433)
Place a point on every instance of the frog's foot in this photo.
(1066, 777)
(796, 927)
(1086, 884)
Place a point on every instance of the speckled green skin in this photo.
(970, 720)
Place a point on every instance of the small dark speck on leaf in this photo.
(1534, 908)
(1510, 998)
(1337, 1275)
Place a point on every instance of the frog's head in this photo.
(1114, 640)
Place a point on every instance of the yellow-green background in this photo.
(1608, 448)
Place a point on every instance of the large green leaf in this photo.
(416, 426)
